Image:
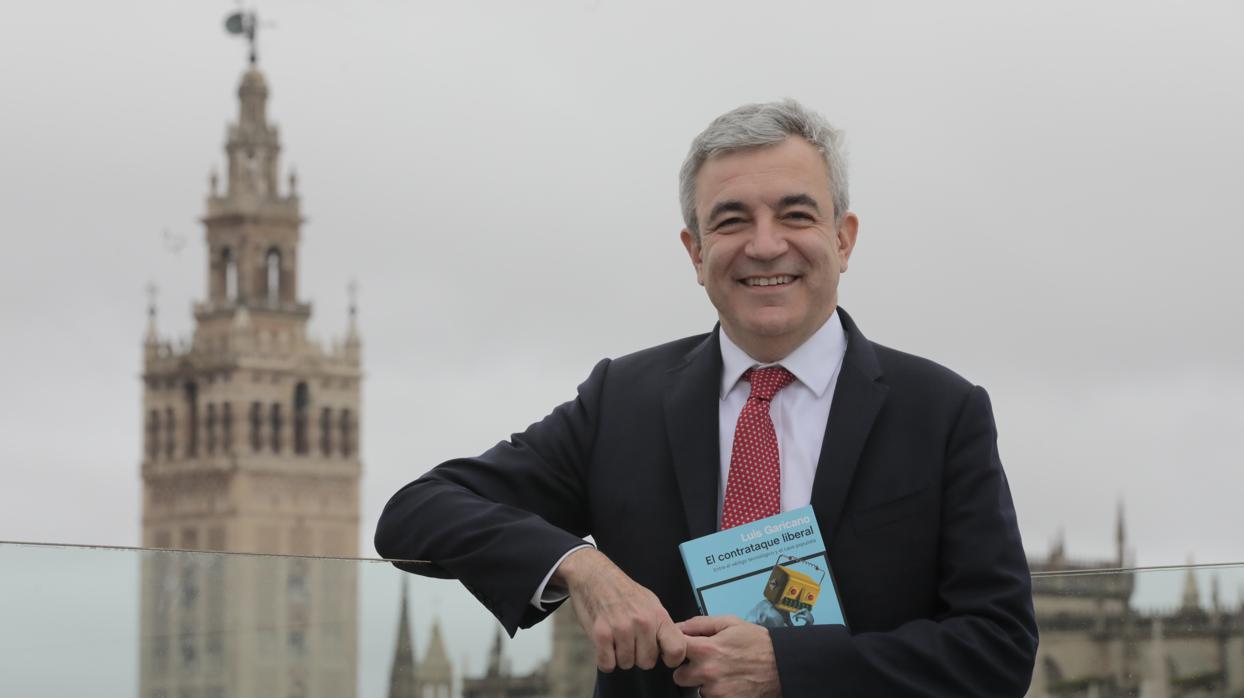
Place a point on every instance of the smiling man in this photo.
(773, 244)
(897, 456)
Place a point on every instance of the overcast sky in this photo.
(1049, 194)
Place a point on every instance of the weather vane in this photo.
(245, 23)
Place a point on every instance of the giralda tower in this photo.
(251, 445)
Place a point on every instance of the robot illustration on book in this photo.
(789, 595)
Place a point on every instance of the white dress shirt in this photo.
(799, 411)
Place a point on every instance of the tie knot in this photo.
(766, 382)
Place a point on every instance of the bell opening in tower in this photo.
(302, 405)
(273, 275)
(192, 420)
(231, 276)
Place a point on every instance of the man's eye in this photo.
(799, 215)
(728, 223)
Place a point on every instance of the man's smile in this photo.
(776, 280)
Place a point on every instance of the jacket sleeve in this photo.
(983, 641)
(500, 521)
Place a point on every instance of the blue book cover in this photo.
(773, 572)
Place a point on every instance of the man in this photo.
(785, 403)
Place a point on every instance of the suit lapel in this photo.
(691, 409)
(857, 400)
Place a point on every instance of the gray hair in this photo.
(755, 125)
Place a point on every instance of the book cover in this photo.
(773, 572)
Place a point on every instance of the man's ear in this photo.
(848, 227)
(693, 251)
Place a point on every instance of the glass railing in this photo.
(78, 621)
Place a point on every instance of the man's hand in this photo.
(625, 621)
(728, 657)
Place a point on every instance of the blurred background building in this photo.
(569, 672)
(1096, 643)
(431, 677)
(251, 446)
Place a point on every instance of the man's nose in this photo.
(768, 240)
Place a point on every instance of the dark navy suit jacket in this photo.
(909, 490)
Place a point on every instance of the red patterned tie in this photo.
(754, 486)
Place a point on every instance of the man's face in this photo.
(769, 252)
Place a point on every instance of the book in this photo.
(773, 572)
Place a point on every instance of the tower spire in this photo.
(353, 331)
(253, 229)
(435, 670)
(495, 667)
(402, 673)
(153, 335)
(1192, 593)
(1120, 536)
(1058, 549)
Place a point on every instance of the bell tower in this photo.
(253, 230)
(251, 445)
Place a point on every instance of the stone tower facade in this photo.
(251, 445)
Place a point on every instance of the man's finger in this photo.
(686, 676)
(606, 661)
(704, 626)
(624, 647)
(647, 646)
(699, 649)
(672, 643)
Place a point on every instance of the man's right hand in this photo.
(625, 621)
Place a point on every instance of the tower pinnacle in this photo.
(253, 230)
(1192, 593)
(1120, 536)
(435, 665)
(353, 333)
(152, 290)
(402, 674)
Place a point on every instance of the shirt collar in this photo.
(813, 363)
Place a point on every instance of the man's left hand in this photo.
(728, 657)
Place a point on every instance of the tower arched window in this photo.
(231, 274)
(170, 432)
(226, 428)
(275, 420)
(256, 419)
(211, 428)
(347, 435)
(302, 409)
(272, 275)
(192, 420)
(153, 434)
(326, 431)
